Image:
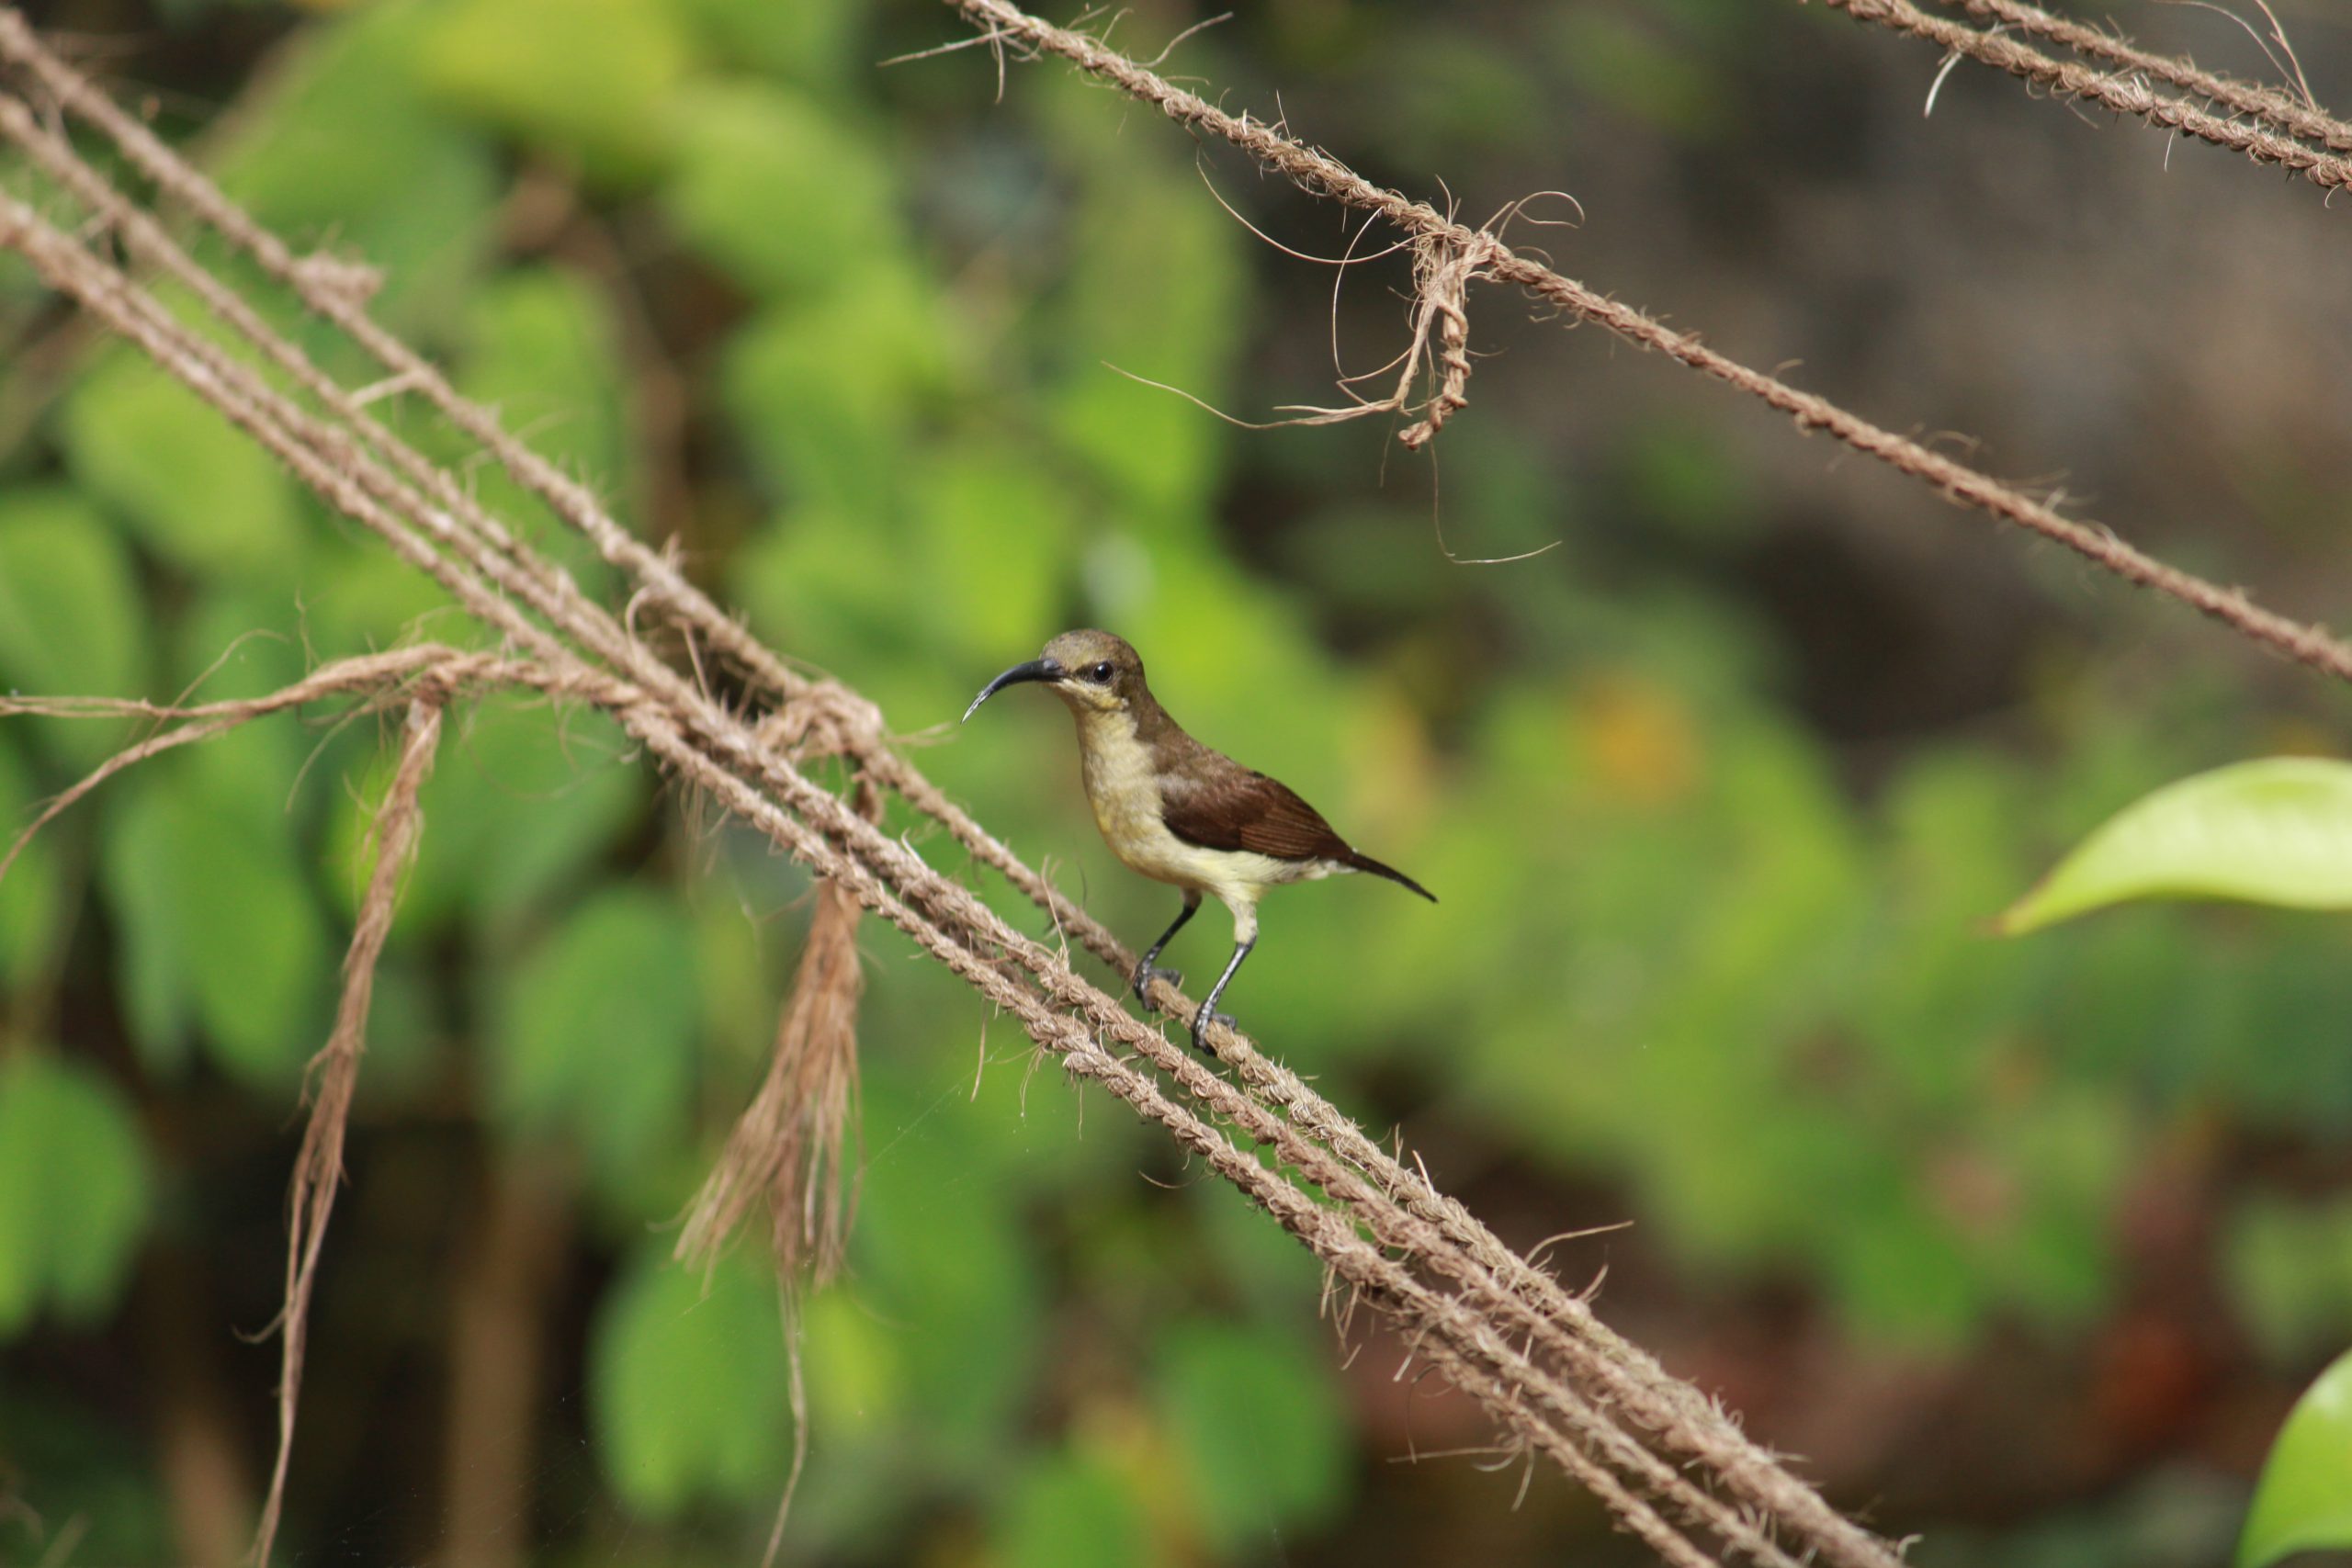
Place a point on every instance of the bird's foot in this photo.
(1201, 1021)
(1146, 974)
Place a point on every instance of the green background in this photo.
(2025, 1245)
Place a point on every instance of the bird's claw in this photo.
(1201, 1022)
(1146, 975)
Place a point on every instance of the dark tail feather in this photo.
(1362, 862)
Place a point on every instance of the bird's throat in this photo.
(1119, 765)
(1121, 786)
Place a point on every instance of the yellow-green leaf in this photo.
(774, 190)
(995, 530)
(592, 79)
(337, 142)
(807, 40)
(826, 397)
(1144, 232)
(2304, 1502)
(2273, 831)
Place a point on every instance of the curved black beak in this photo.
(1035, 670)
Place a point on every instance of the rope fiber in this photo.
(1670, 1466)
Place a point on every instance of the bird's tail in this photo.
(1362, 862)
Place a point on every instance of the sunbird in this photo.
(1178, 812)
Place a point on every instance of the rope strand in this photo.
(1321, 173)
(2279, 109)
(2122, 92)
(1548, 1374)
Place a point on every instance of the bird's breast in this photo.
(1123, 786)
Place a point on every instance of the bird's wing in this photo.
(1234, 809)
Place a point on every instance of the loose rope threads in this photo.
(1444, 269)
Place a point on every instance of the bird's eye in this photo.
(1101, 673)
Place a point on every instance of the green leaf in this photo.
(258, 953)
(818, 580)
(995, 532)
(2273, 831)
(1074, 1510)
(856, 1379)
(524, 798)
(240, 643)
(30, 894)
(1144, 232)
(2304, 1502)
(1260, 1427)
(688, 1390)
(70, 621)
(941, 1256)
(772, 189)
(217, 920)
(546, 354)
(200, 493)
(91, 1465)
(72, 1189)
(151, 966)
(809, 40)
(738, 992)
(825, 396)
(593, 79)
(363, 596)
(595, 1030)
(2288, 1266)
(337, 139)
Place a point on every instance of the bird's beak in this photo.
(1035, 670)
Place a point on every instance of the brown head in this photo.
(1092, 671)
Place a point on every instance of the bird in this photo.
(1178, 812)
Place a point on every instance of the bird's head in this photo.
(1092, 671)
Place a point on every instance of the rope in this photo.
(2123, 92)
(1553, 1377)
(1321, 174)
(2274, 108)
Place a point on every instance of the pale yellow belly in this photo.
(1121, 789)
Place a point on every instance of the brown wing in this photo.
(1232, 808)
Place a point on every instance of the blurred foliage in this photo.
(687, 1375)
(843, 333)
(72, 1189)
(2274, 831)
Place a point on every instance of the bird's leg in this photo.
(1146, 973)
(1208, 1013)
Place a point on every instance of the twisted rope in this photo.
(2125, 92)
(1319, 174)
(2279, 109)
(1502, 1328)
